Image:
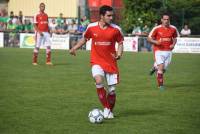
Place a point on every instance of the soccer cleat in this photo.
(152, 71)
(49, 63)
(34, 63)
(110, 116)
(161, 88)
(106, 112)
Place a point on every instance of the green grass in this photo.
(56, 100)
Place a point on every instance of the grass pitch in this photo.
(56, 99)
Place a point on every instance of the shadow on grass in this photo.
(182, 85)
(143, 112)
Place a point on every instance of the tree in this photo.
(138, 12)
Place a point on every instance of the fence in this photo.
(67, 41)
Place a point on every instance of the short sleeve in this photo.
(87, 34)
(119, 36)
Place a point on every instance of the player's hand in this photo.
(72, 51)
(171, 46)
(159, 42)
(117, 57)
(41, 34)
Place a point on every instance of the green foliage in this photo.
(140, 12)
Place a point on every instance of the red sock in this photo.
(48, 56)
(35, 55)
(160, 79)
(111, 100)
(102, 97)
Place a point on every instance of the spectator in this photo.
(10, 26)
(145, 32)
(14, 20)
(19, 26)
(11, 15)
(28, 26)
(73, 28)
(52, 26)
(137, 31)
(60, 19)
(59, 28)
(20, 17)
(185, 31)
(2, 26)
(65, 26)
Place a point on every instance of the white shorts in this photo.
(163, 57)
(111, 79)
(43, 40)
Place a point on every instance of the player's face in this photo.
(108, 17)
(165, 20)
(42, 7)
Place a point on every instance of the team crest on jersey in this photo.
(95, 35)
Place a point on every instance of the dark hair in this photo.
(103, 9)
(42, 3)
(165, 14)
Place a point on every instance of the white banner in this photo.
(130, 44)
(58, 41)
(1, 39)
(187, 45)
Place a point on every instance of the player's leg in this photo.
(167, 60)
(112, 80)
(111, 96)
(154, 68)
(98, 75)
(38, 40)
(160, 64)
(48, 48)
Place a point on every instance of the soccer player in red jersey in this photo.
(42, 35)
(104, 57)
(163, 38)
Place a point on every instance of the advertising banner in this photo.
(58, 41)
(1, 40)
(187, 45)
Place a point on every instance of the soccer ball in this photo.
(96, 116)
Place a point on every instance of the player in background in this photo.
(104, 57)
(42, 35)
(163, 38)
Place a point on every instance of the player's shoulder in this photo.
(172, 26)
(115, 26)
(37, 14)
(94, 24)
(157, 27)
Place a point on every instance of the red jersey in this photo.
(166, 35)
(41, 20)
(103, 45)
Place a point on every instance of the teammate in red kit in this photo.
(104, 57)
(42, 35)
(163, 37)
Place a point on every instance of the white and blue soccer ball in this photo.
(95, 116)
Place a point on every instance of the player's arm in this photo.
(81, 42)
(119, 51)
(174, 40)
(153, 41)
(36, 29)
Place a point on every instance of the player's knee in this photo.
(36, 50)
(111, 89)
(98, 80)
